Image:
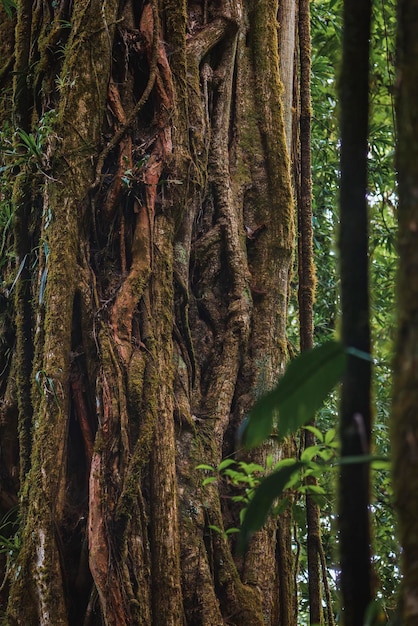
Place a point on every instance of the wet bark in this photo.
(153, 239)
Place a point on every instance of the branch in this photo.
(201, 43)
(150, 84)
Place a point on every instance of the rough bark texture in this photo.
(145, 307)
(405, 388)
(306, 294)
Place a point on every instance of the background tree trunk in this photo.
(405, 415)
(146, 307)
(355, 410)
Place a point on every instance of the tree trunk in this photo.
(355, 410)
(306, 295)
(146, 306)
(405, 387)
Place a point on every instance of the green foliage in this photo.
(383, 262)
(20, 150)
(6, 221)
(299, 394)
(326, 29)
(9, 534)
(30, 149)
(261, 486)
(326, 43)
(10, 540)
(268, 491)
(46, 386)
(245, 476)
(315, 461)
(9, 6)
(6, 186)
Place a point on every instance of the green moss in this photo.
(79, 125)
(175, 19)
(135, 383)
(269, 90)
(143, 381)
(22, 95)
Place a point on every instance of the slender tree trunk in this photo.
(153, 236)
(405, 415)
(306, 293)
(355, 414)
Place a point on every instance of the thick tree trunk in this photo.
(153, 236)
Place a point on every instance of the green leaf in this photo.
(330, 436)
(360, 354)
(250, 468)
(299, 394)
(237, 477)
(309, 453)
(284, 463)
(267, 492)
(269, 461)
(9, 6)
(208, 481)
(242, 515)
(326, 454)
(315, 431)
(225, 463)
(363, 458)
(239, 499)
(19, 271)
(312, 489)
(203, 466)
(381, 464)
(216, 529)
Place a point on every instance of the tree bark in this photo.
(355, 412)
(153, 236)
(287, 39)
(306, 294)
(405, 416)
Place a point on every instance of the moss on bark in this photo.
(149, 289)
